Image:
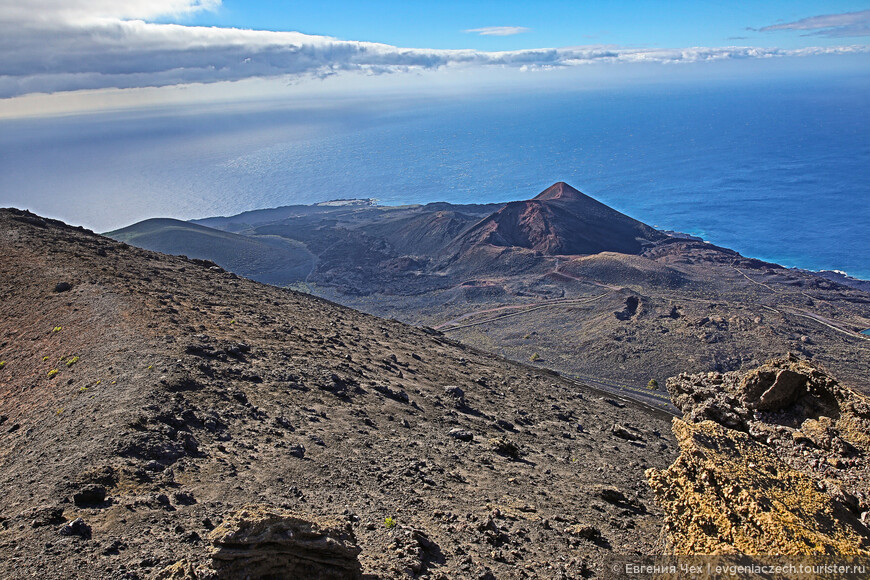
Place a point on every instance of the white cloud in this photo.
(834, 25)
(73, 10)
(96, 44)
(498, 30)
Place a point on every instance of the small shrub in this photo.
(535, 357)
(57, 329)
(82, 389)
(72, 361)
(2, 363)
(390, 522)
(45, 358)
(52, 372)
(59, 411)
(505, 447)
(652, 385)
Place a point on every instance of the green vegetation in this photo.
(52, 372)
(57, 329)
(390, 522)
(652, 385)
(535, 357)
(72, 361)
(2, 363)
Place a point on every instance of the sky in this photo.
(67, 55)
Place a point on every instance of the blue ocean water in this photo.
(778, 171)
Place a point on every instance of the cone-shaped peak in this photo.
(560, 190)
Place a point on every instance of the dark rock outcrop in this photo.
(260, 542)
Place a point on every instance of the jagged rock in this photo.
(395, 394)
(773, 460)
(457, 395)
(264, 542)
(46, 516)
(90, 495)
(611, 495)
(461, 434)
(623, 433)
(77, 527)
(730, 494)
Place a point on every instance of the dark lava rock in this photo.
(47, 516)
(62, 287)
(623, 433)
(395, 394)
(461, 434)
(612, 495)
(297, 451)
(458, 396)
(183, 498)
(264, 542)
(89, 496)
(77, 527)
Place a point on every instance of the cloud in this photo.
(498, 30)
(831, 25)
(73, 10)
(97, 44)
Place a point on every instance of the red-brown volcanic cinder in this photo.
(560, 220)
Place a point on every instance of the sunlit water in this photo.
(778, 172)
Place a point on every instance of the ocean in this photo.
(776, 170)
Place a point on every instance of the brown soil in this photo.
(184, 393)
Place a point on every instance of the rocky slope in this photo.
(273, 261)
(160, 417)
(773, 461)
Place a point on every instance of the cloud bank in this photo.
(498, 30)
(831, 25)
(49, 46)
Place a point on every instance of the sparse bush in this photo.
(72, 361)
(535, 357)
(52, 372)
(57, 329)
(390, 522)
(505, 447)
(2, 363)
(652, 385)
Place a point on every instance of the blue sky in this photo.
(57, 55)
(548, 23)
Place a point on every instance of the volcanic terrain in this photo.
(565, 282)
(154, 409)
